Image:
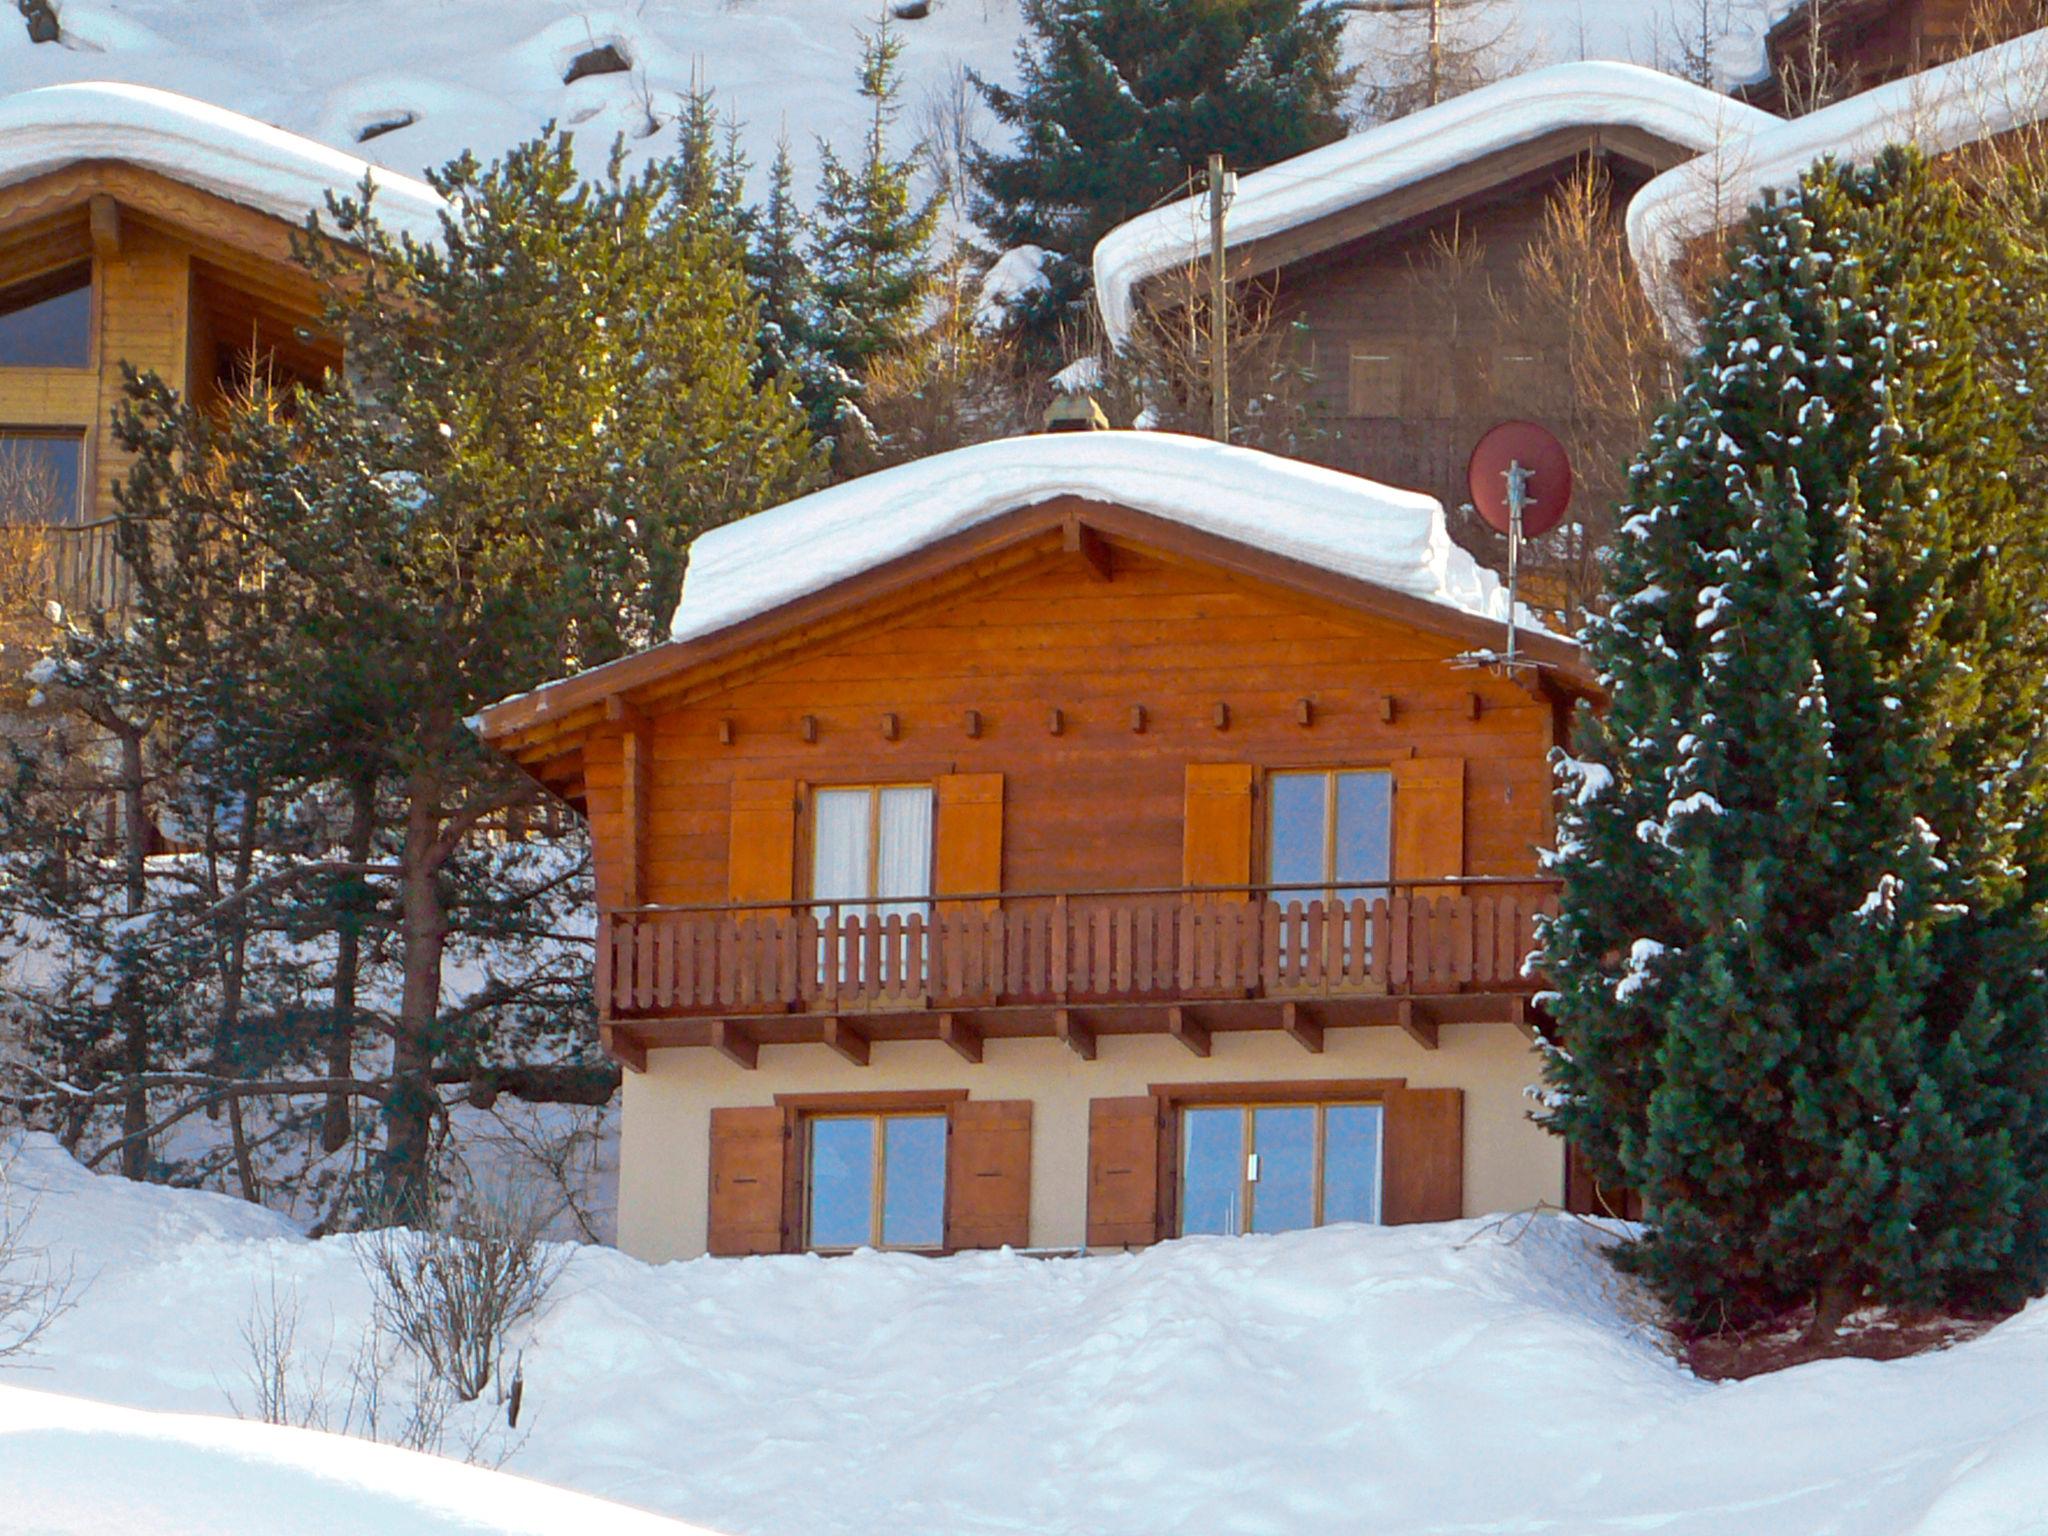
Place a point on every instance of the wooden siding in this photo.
(1099, 804)
(1869, 42)
(1410, 369)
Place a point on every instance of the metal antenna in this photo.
(1518, 479)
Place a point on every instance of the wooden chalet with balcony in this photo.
(1081, 839)
(144, 228)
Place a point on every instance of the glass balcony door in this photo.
(871, 858)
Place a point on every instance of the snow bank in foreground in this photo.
(1392, 538)
(72, 1466)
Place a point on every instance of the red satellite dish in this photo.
(1547, 483)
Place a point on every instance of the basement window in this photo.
(46, 322)
(41, 476)
(1278, 1167)
(875, 1181)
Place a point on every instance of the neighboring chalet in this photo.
(1082, 839)
(142, 227)
(1866, 43)
(1395, 250)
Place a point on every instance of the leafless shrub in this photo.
(453, 1293)
(951, 120)
(35, 1290)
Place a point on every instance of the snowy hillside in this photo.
(452, 75)
(1477, 1376)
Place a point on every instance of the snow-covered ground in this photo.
(1472, 1377)
(485, 75)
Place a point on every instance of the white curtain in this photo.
(906, 854)
(839, 847)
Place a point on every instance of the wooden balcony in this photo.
(81, 568)
(1070, 965)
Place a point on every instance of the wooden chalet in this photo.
(144, 228)
(1866, 43)
(1396, 254)
(1081, 839)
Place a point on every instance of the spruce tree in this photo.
(1797, 981)
(1121, 101)
(871, 255)
(779, 272)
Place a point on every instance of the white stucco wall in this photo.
(664, 1172)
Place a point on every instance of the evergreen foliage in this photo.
(1798, 979)
(1122, 101)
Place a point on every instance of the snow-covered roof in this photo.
(1384, 159)
(1941, 109)
(200, 145)
(1354, 527)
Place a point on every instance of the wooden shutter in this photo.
(1216, 833)
(988, 1174)
(761, 857)
(1429, 818)
(969, 854)
(1123, 1171)
(1423, 1165)
(750, 1165)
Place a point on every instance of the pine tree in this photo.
(1122, 100)
(779, 272)
(871, 252)
(1798, 992)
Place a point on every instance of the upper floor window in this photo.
(871, 848)
(1278, 1167)
(46, 322)
(41, 475)
(1330, 829)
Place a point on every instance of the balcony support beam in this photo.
(1422, 1031)
(622, 1047)
(1304, 1031)
(735, 1044)
(847, 1041)
(1072, 1033)
(961, 1036)
(1180, 1023)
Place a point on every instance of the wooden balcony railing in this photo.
(1075, 949)
(82, 569)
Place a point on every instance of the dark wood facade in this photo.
(1866, 43)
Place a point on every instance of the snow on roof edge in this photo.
(1940, 109)
(1343, 523)
(1385, 158)
(202, 145)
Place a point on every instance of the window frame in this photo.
(92, 316)
(878, 1189)
(1248, 1108)
(1330, 884)
(80, 513)
(873, 789)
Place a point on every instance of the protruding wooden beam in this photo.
(1304, 712)
(1471, 706)
(1422, 1031)
(892, 725)
(847, 1041)
(726, 731)
(807, 727)
(1079, 539)
(962, 1036)
(1055, 720)
(1182, 1026)
(1138, 718)
(1304, 1031)
(1076, 1036)
(1220, 717)
(1523, 1016)
(622, 1048)
(973, 723)
(105, 214)
(1386, 708)
(735, 1044)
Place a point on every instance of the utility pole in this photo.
(1221, 184)
(1436, 51)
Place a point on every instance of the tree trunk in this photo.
(1832, 1304)
(423, 932)
(131, 1008)
(335, 1120)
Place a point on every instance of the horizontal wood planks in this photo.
(1096, 806)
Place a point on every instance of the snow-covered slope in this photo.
(1471, 1377)
(72, 1467)
(484, 76)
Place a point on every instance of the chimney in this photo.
(1075, 413)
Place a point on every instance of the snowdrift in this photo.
(1476, 1376)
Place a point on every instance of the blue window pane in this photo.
(1365, 820)
(842, 1174)
(1297, 845)
(47, 323)
(1351, 1163)
(914, 1182)
(39, 476)
(1284, 1195)
(1212, 1171)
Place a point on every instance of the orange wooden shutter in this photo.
(969, 855)
(1216, 832)
(1429, 818)
(1424, 1155)
(750, 1165)
(761, 858)
(988, 1174)
(1123, 1171)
